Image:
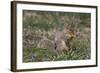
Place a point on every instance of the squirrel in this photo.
(61, 41)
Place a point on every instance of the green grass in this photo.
(40, 54)
(80, 50)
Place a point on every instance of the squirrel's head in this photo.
(71, 33)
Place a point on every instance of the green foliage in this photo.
(41, 54)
